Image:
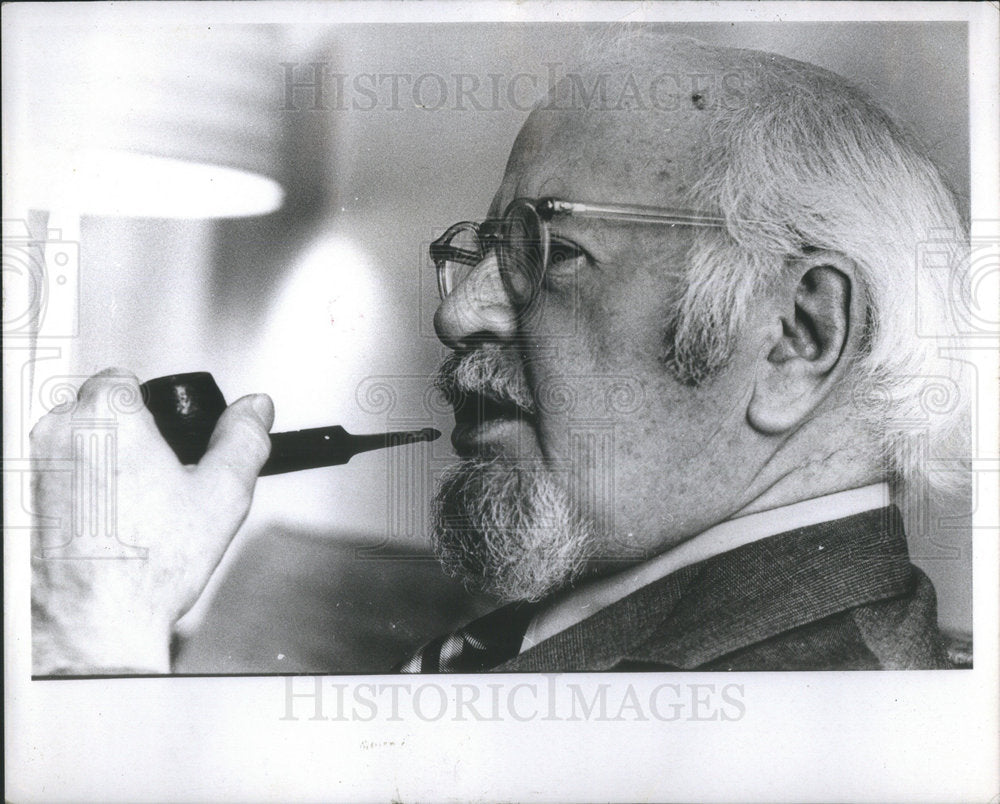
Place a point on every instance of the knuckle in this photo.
(108, 378)
(113, 393)
(117, 373)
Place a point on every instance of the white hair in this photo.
(807, 161)
(815, 164)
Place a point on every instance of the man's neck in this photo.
(813, 464)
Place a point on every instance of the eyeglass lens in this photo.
(521, 247)
(521, 252)
(467, 251)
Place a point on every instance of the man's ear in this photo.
(816, 326)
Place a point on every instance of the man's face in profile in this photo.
(577, 444)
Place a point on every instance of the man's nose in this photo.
(477, 309)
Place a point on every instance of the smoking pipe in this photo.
(187, 406)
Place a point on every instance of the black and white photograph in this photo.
(503, 402)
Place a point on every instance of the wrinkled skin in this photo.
(99, 605)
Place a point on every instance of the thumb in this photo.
(240, 444)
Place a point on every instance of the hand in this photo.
(125, 536)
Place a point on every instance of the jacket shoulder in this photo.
(899, 633)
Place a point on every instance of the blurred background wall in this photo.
(327, 303)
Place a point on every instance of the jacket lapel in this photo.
(738, 598)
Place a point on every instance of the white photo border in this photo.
(919, 736)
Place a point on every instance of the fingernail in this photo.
(262, 406)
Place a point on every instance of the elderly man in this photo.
(685, 362)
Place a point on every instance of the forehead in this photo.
(599, 156)
(638, 142)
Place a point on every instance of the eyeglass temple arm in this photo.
(551, 207)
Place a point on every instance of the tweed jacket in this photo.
(840, 595)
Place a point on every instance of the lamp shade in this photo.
(163, 121)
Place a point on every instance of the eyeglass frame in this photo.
(490, 236)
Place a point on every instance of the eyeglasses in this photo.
(523, 243)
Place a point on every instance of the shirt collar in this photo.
(577, 604)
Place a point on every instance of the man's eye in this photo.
(562, 253)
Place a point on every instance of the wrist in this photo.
(100, 644)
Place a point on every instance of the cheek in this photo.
(607, 407)
(639, 453)
(659, 472)
(590, 358)
(594, 399)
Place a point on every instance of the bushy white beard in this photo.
(507, 528)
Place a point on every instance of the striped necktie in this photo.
(481, 645)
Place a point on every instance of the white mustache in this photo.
(489, 370)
